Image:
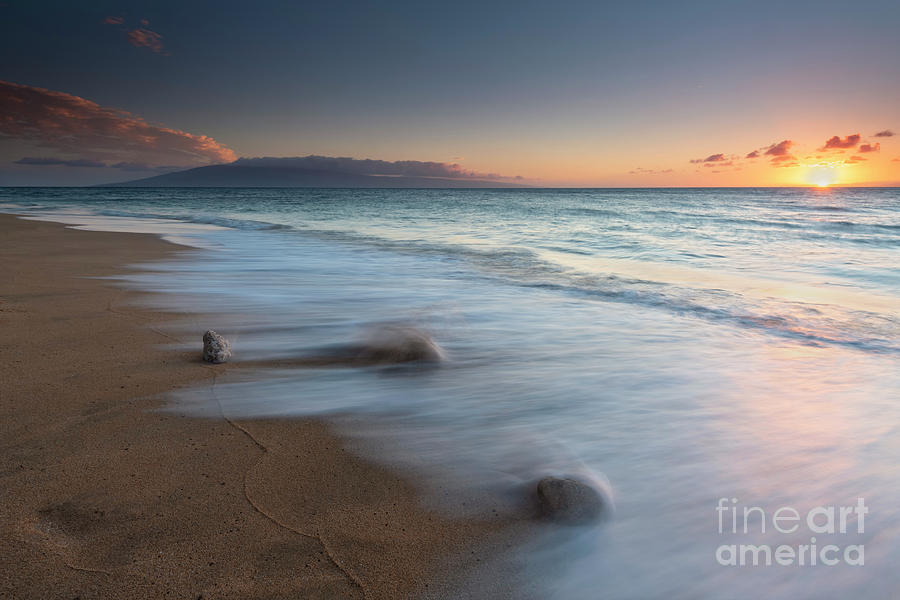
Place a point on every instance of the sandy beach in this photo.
(105, 497)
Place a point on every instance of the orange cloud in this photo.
(836, 143)
(643, 171)
(870, 148)
(754, 154)
(113, 20)
(76, 126)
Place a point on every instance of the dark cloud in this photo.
(367, 166)
(142, 37)
(75, 126)
(132, 166)
(754, 154)
(710, 159)
(781, 148)
(50, 161)
(870, 148)
(885, 133)
(837, 143)
(138, 166)
(781, 154)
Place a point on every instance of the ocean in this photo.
(694, 353)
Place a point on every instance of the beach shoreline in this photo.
(106, 497)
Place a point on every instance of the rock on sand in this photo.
(216, 349)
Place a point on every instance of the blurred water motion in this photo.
(672, 346)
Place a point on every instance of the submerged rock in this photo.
(569, 500)
(400, 345)
(216, 349)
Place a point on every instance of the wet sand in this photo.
(101, 496)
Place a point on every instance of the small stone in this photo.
(216, 349)
(568, 500)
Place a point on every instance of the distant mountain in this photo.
(289, 172)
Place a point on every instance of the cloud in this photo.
(50, 161)
(140, 37)
(781, 154)
(73, 125)
(754, 154)
(368, 166)
(836, 143)
(643, 171)
(718, 164)
(854, 159)
(781, 148)
(146, 38)
(710, 159)
(139, 166)
(885, 133)
(870, 148)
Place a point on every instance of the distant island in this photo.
(324, 172)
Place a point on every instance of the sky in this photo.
(588, 93)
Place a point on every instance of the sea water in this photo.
(691, 352)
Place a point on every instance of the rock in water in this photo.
(568, 500)
(401, 345)
(216, 349)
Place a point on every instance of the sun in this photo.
(822, 174)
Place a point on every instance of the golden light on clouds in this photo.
(847, 160)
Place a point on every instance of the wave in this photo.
(524, 267)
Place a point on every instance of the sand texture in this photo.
(101, 496)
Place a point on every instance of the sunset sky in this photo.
(587, 93)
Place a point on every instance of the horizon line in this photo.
(521, 187)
